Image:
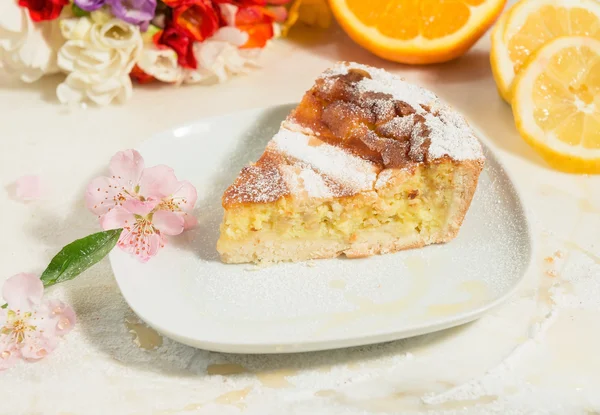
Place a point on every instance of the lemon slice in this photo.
(497, 33)
(529, 25)
(556, 103)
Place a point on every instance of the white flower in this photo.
(77, 87)
(27, 49)
(220, 57)
(98, 56)
(161, 64)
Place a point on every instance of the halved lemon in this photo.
(529, 25)
(416, 31)
(497, 33)
(556, 103)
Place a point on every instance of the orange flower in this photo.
(258, 23)
(197, 18)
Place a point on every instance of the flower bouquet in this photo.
(102, 45)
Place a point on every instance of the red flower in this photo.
(178, 39)
(258, 23)
(243, 3)
(177, 3)
(198, 18)
(41, 10)
(141, 77)
(248, 3)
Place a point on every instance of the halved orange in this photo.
(416, 31)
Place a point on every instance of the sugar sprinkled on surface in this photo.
(332, 161)
(449, 133)
(303, 179)
(257, 183)
(385, 82)
(119, 375)
(314, 184)
(384, 177)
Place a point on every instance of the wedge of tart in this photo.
(366, 164)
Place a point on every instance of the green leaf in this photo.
(5, 305)
(78, 12)
(79, 255)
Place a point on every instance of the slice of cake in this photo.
(366, 164)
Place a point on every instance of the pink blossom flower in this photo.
(144, 229)
(104, 193)
(148, 203)
(29, 327)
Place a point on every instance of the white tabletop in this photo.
(538, 352)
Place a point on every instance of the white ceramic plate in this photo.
(187, 294)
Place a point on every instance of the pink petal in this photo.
(280, 13)
(28, 188)
(125, 238)
(185, 197)
(9, 354)
(127, 166)
(36, 346)
(169, 223)
(137, 207)
(22, 291)
(102, 194)
(143, 246)
(117, 218)
(189, 221)
(63, 315)
(155, 243)
(44, 321)
(158, 182)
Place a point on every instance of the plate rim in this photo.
(382, 335)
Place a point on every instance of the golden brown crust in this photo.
(472, 169)
(261, 182)
(365, 123)
(340, 111)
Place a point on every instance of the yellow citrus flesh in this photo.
(416, 31)
(497, 33)
(556, 103)
(531, 24)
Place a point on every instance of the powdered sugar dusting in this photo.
(314, 184)
(260, 183)
(385, 82)
(304, 180)
(398, 126)
(401, 90)
(384, 177)
(451, 135)
(448, 132)
(332, 161)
